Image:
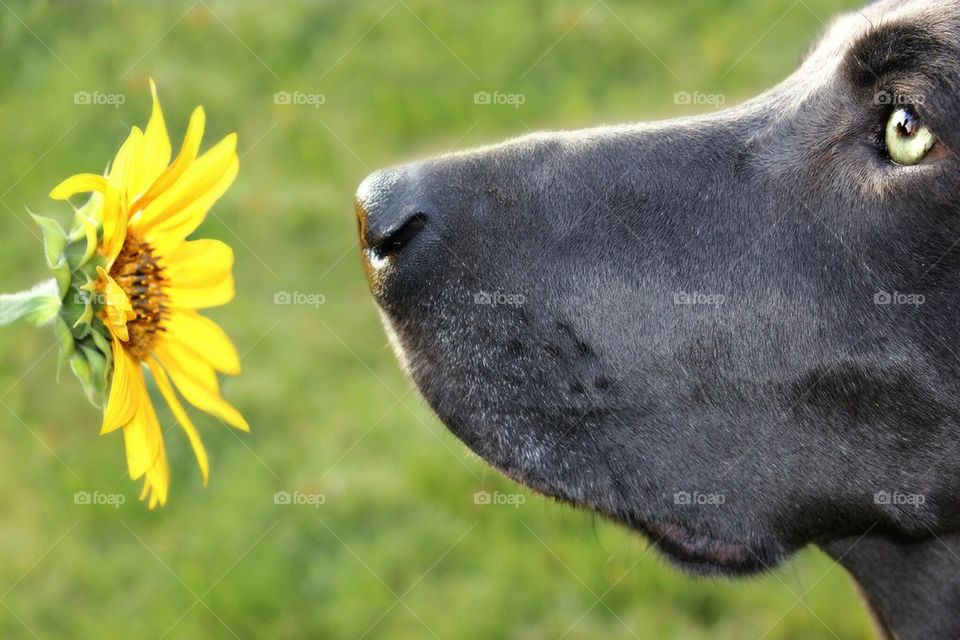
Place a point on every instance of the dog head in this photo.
(737, 333)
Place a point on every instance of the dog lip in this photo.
(692, 550)
(699, 551)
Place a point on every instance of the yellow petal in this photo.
(139, 456)
(192, 256)
(116, 197)
(114, 223)
(155, 154)
(205, 339)
(216, 294)
(157, 476)
(124, 389)
(117, 305)
(187, 154)
(200, 274)
(80, 183)
(142, 437)
(160, 480)
(179, 210)
(197, 382)
(127, 163)
(163, 383)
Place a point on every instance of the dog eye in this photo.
(908, 140)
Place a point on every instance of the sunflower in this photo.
(149, 283)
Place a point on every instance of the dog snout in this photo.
(390, 213)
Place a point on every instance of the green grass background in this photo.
(398, 549)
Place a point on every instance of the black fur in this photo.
(677, 325)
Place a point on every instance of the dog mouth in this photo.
(524, 452)
(700, 553)
(535, 425)
(688, 547)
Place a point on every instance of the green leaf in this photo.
(38, 305)
(54, 239)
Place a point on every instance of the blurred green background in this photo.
(399, 548)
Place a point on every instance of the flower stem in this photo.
(38, 305)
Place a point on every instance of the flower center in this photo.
(136, 272)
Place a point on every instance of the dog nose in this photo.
(389, 213)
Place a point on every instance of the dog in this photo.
(736, 334)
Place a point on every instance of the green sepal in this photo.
(83, 240)
(99, 337)
(69, 300)
(88, 366)
(75, 253)
(82, 325)
(91, 210)
(81, 369)
(54, 239)
(38, 306)
(97, 365)
(67, 347)
(77, 311)
(62, 274)
(103, 344)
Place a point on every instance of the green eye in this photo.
(908, 141)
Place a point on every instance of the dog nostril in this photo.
(391, 213)
(392, 241)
